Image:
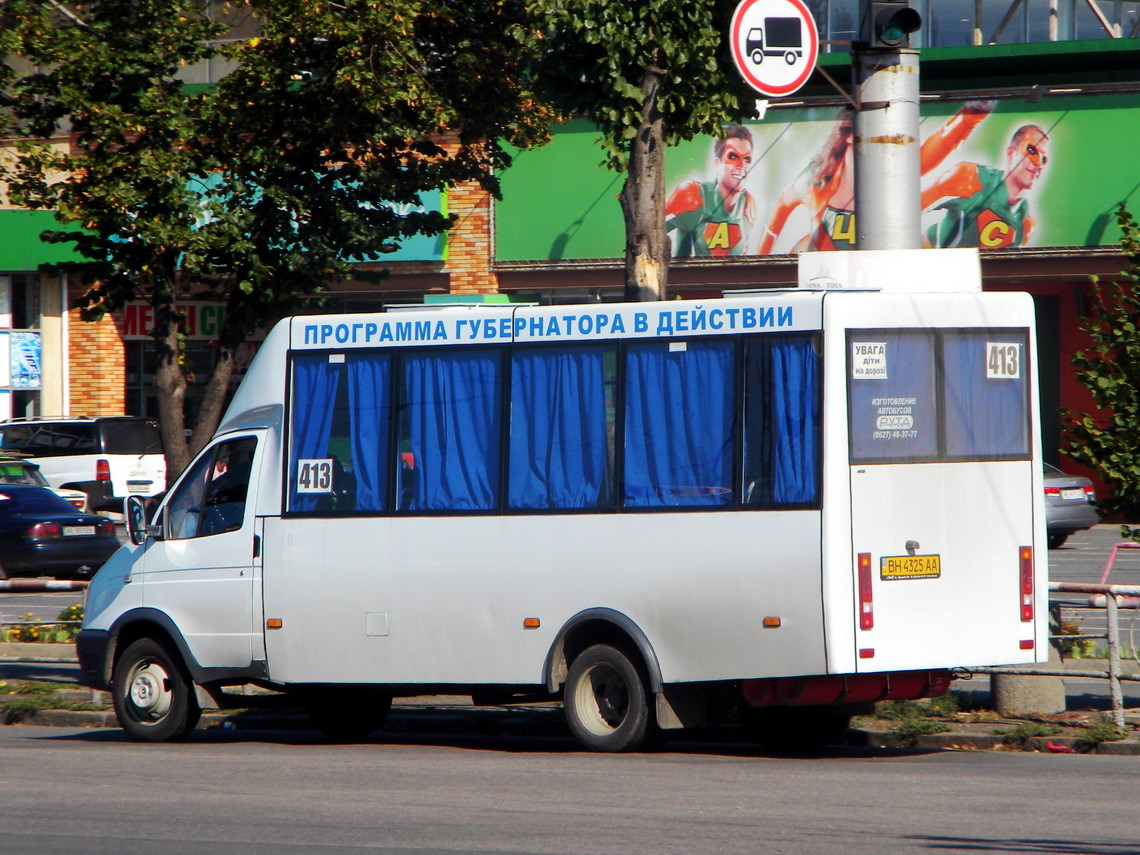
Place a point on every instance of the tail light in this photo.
(1053, 491)
(105, 528)
(102, 470)
(1090, 492)
(45, 531)
(1025, 556)
(866, 605)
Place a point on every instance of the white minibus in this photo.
(774, 506)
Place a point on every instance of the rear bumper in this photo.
(58, 559)
(101, 495)
(1074, 517)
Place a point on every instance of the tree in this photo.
(1109, 441)
(649, 75)
(310, 156)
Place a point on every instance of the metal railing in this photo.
(1112, 598)
(41, 586)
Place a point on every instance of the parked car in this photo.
(13, 470)
(1070, 505)
(42, 535)
(108, 457)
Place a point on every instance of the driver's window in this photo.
(211, 499)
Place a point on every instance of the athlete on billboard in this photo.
(715, 217)
(826, 187)
(986, 206)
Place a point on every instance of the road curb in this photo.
(479, 721)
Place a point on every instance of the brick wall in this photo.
(96, 363)
(468, 242)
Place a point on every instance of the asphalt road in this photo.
(245, 794)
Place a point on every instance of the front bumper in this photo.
(93, 647)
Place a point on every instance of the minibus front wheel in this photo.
(154, 698)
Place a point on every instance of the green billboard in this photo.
(995, 174)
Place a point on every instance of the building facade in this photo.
(1043, 221)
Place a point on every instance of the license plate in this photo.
(910, 567)
(1073, 494)
(78, 530)
(138, 486)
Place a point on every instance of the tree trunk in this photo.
(170, 384)
(643, 202)
(214, 396)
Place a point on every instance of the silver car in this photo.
(1070, 505)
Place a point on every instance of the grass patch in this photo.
(34, 688)
(1018, 736)
(1103, 731)
(911, 729)
(913, 719)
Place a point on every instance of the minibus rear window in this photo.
(130, 436)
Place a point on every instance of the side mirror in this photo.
(134, 512)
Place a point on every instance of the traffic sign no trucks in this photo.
(774, 44)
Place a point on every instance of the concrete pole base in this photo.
(1014, 695)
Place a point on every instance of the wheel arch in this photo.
(153, 623)
(598, 626)
(149, 623)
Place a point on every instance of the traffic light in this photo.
(889, 24)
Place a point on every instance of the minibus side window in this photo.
(782, 412)
(561, 428)
(449, 430)
(340, 429)
(680, 412)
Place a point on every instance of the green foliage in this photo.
(1075, 648)
(944, 705)
(18, 708)
(1103, 731)
(1109, 440)
(899, 710)
(910, 729)
(36, 629)
(266, 186)
(1018, 736)
(33, 688)
(912, 719)
(617, 63)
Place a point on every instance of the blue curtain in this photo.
(451, 431)
(985, 417)
(679, 427)
(315, 383)
(369, 417)
(782, 423)
(559, 455)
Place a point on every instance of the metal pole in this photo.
(887, 150)
(1114, 660)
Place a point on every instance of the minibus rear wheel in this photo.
(606, 700)
(154, 699)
